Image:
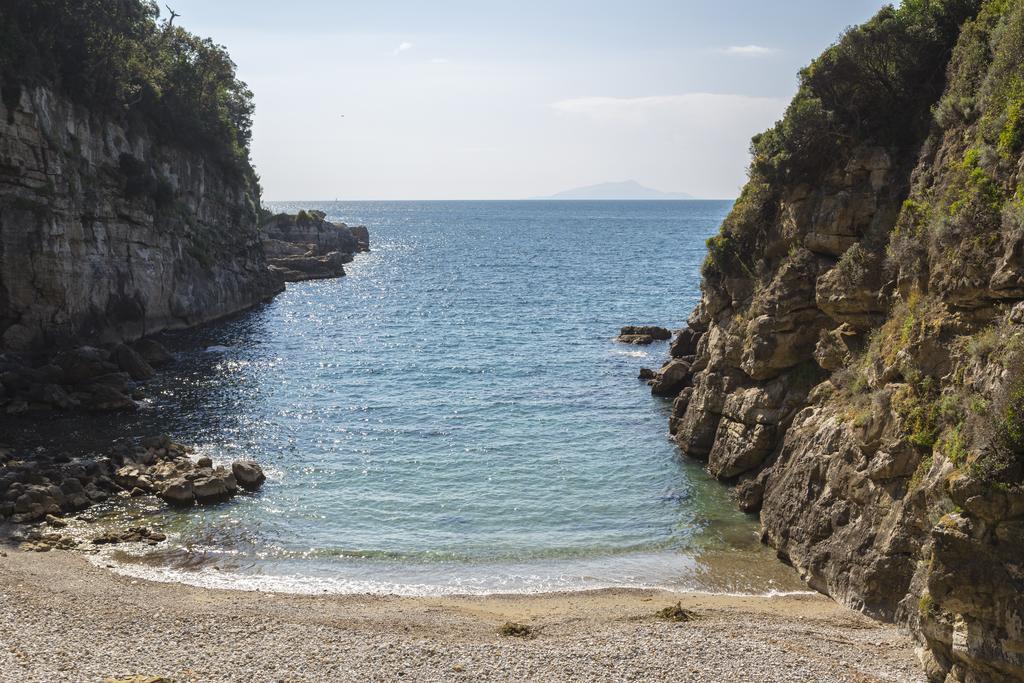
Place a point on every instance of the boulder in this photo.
(56, 522)
(101, 398)
(18, 338)
(156, 442)
(685, 343)
(115, 380)
(653, 331)
(671, 379)
(362, 236)
(35, 501)
(131, 477)
(213, 486)
(82, 365)
(131, 361)
(248, 474)
(153, 353)
(178, 492)
(52, 395)
(638, 339)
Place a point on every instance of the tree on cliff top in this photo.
(873, 86)
(117, 56)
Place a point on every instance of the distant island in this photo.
(627, 189)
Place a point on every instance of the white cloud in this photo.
(404, 47)
(438, 60)
(704, 108)
(749, 51)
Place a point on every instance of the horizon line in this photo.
(514, 199)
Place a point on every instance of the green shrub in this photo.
(1012, 428)
(954, 445)
(873, 86)
(115, 56)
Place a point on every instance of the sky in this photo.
(494, 99)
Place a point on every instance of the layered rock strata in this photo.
(106, 235)
(305, 246)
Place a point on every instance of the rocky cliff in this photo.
(107, 233)
(856, 364)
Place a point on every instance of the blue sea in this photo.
(454, 415)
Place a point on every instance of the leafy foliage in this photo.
(117, 56)
(873, 86)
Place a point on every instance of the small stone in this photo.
(56, 522)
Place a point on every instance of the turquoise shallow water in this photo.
(453, 415)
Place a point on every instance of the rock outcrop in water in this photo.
(305, 246)
(643, 334)
(856, 363)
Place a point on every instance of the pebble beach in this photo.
(62, 618)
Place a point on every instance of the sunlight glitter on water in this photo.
(453, 416)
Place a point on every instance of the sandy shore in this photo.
(63, 619)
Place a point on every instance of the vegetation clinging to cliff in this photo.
(116, 56)
(875, 85)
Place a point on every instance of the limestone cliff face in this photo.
(856, 364)
(106, 235)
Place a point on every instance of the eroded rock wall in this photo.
(106, 235)
(858, 370)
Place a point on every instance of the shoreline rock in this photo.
(86, 378)
(40, 487)
(305, 246)
(643, 335)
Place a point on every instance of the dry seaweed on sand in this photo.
(675, 613)
(515, 630)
